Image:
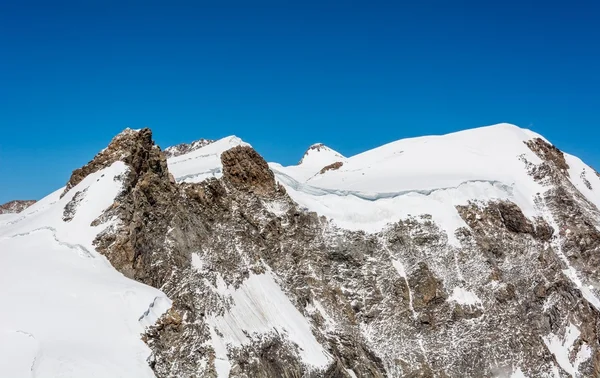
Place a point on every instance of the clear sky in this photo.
(282, 76)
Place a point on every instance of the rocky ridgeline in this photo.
(15, 206)
(184, 148)
(404, 302)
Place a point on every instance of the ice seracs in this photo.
(417, 175)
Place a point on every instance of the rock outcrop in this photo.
(245, 169)
(331, 167)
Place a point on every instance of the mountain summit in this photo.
(472, 254)
(319, 155)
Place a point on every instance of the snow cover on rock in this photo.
(259, 307)
(203, 163)
(563, 348)
(15, 206)
(584, 179)
(317, 157)
(464, 297)
(66, 312)
(368, 191)
(426, 175)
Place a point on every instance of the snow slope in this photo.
(66, 312)
(261, 307)
(203, 163)
(315, 158)
(426, 175)
(584, 179)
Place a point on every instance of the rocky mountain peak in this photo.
(15, 206)
(245, 169)
(134, 147)
(482, 261)
(318, 154)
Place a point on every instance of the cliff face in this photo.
(264, 288)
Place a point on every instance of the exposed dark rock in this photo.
(513, 218)
(331, 167)
(502, 214)
(245, 169)
(71, 206)
(586, 182)
(548, 153)
(119, 149)
(427, 289)
(144, 207)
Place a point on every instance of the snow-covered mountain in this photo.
(473, 254)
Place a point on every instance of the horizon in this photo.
(285, 76)
(298, 158)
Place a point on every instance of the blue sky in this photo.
(283, 75)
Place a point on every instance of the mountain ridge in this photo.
(404, 277)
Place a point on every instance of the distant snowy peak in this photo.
(488, 153)
(319, 155)
(15, 206)
(204, 162)
(185, 148)
(430, 174)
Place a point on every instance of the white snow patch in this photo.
(260, 307)
(100, 187)
(276, 207)
(518, 373)
(67, 311)
(464, 297)
(318, 156)
(562, 347)
(157, 308)
(197, 262)
(82, 317)
(586, 291)
(402, 273)
(399, 268)
(222, 364)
